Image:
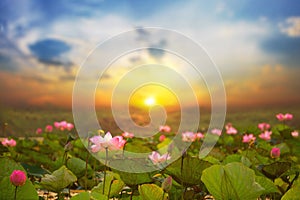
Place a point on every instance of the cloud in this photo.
(291, 27)
(284, 49)
(50, 51)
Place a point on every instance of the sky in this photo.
(255, 45)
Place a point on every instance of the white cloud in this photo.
(291, 27)
(232, 44)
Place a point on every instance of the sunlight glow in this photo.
(150, 101)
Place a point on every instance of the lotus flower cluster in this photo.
(284, 117)
(100, 143)
(63, 125)
(191, 137)
(9, 143)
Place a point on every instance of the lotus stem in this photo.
(16, 188)
(109, 190)
(106, 155)
(85, 174)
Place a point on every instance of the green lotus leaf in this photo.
(189, 171)
(152, 192)
(58, 180)
(276, 169)
(232, 181)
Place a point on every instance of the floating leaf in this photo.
(127, 166)
(284, 148)
(165, 143)
(112, 187)
(211, 160)
(152, 192)
(237, 158)
(189, 171)
(276, 169)
(267, 184)
(232, 181)
(98, 196)
(58, 180)
(78, 167)
(137, 146)
(293, 193)
(35, 170)
(82, 196)
(133, 198)
(232, 158)
(89, 183)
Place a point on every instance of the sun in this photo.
(150, 101)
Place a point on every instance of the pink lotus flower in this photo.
(275, 152)
(9, 143)
(117, 142)
(63, 125)
(188, 137)
(39, 131)
(216, 131)
(284, 117)
(69, 126)
(231, 131)
(264, 126)
(199, 136)
(165, 128)
(107, 142)
(18, 178)
(57, 125)
(156, 158)
(48, 129)
(127, 135)
(162, 138)
(295, 133)
(248, 138)
(266, 135)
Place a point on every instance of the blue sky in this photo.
(254, 43)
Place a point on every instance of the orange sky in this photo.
(265, 85)
(255, 46)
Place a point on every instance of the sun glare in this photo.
(150, 101)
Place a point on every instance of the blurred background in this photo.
(255, 44)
